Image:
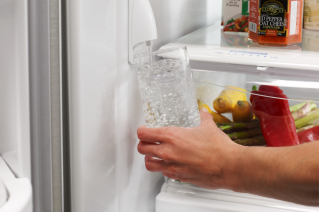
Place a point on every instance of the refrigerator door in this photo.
(108, 174)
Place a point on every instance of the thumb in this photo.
(206, 116)
(204, 110)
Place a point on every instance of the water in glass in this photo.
(167, 93)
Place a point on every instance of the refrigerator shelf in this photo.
(212, 49)
(178, 194)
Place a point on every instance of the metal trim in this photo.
(66, 159)
(40, 104)
(49, 106)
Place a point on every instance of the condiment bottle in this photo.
(276, 22)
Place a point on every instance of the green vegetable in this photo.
(231, 21)
(255, 141)
(242, 29)
(304, 128)
(311, 118)
(296, 107)
(242, 23)
(255, 88)
(245, 134)
(247, 125)
(301, 112)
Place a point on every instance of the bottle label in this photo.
(272, 18)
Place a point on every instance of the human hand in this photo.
(202, 155)
(206, 157)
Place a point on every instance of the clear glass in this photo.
(167, 89)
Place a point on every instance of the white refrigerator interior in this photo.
(108, 174)
(15, 170)
(219, 59)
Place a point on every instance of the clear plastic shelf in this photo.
(212, 49)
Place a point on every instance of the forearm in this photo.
(286, 173)
(206, 157)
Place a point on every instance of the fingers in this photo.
(155, 165)
(161, 151)
(148, 149)
(161, 134)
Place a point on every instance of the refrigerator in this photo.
(71, 102)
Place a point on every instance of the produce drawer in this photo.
(282, 113)
(175, 194)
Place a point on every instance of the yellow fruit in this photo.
(201, 105)
(242, 112)
(228, 98)
(207, 93)
(219, 119)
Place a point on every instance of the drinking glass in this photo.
(166, 88)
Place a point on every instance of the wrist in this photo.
(234, 167)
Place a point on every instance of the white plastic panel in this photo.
(8, 79)
(6, 173)
(3, 194)
(177, 18)
(188, 198)
(11, 159)
(142, 25)
(20, 199)
(18, 191)
(108, 174)
(212, 45)
(14, 83)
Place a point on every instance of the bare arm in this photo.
(286, 173)
(206, 157)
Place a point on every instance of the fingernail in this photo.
(205, 110)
